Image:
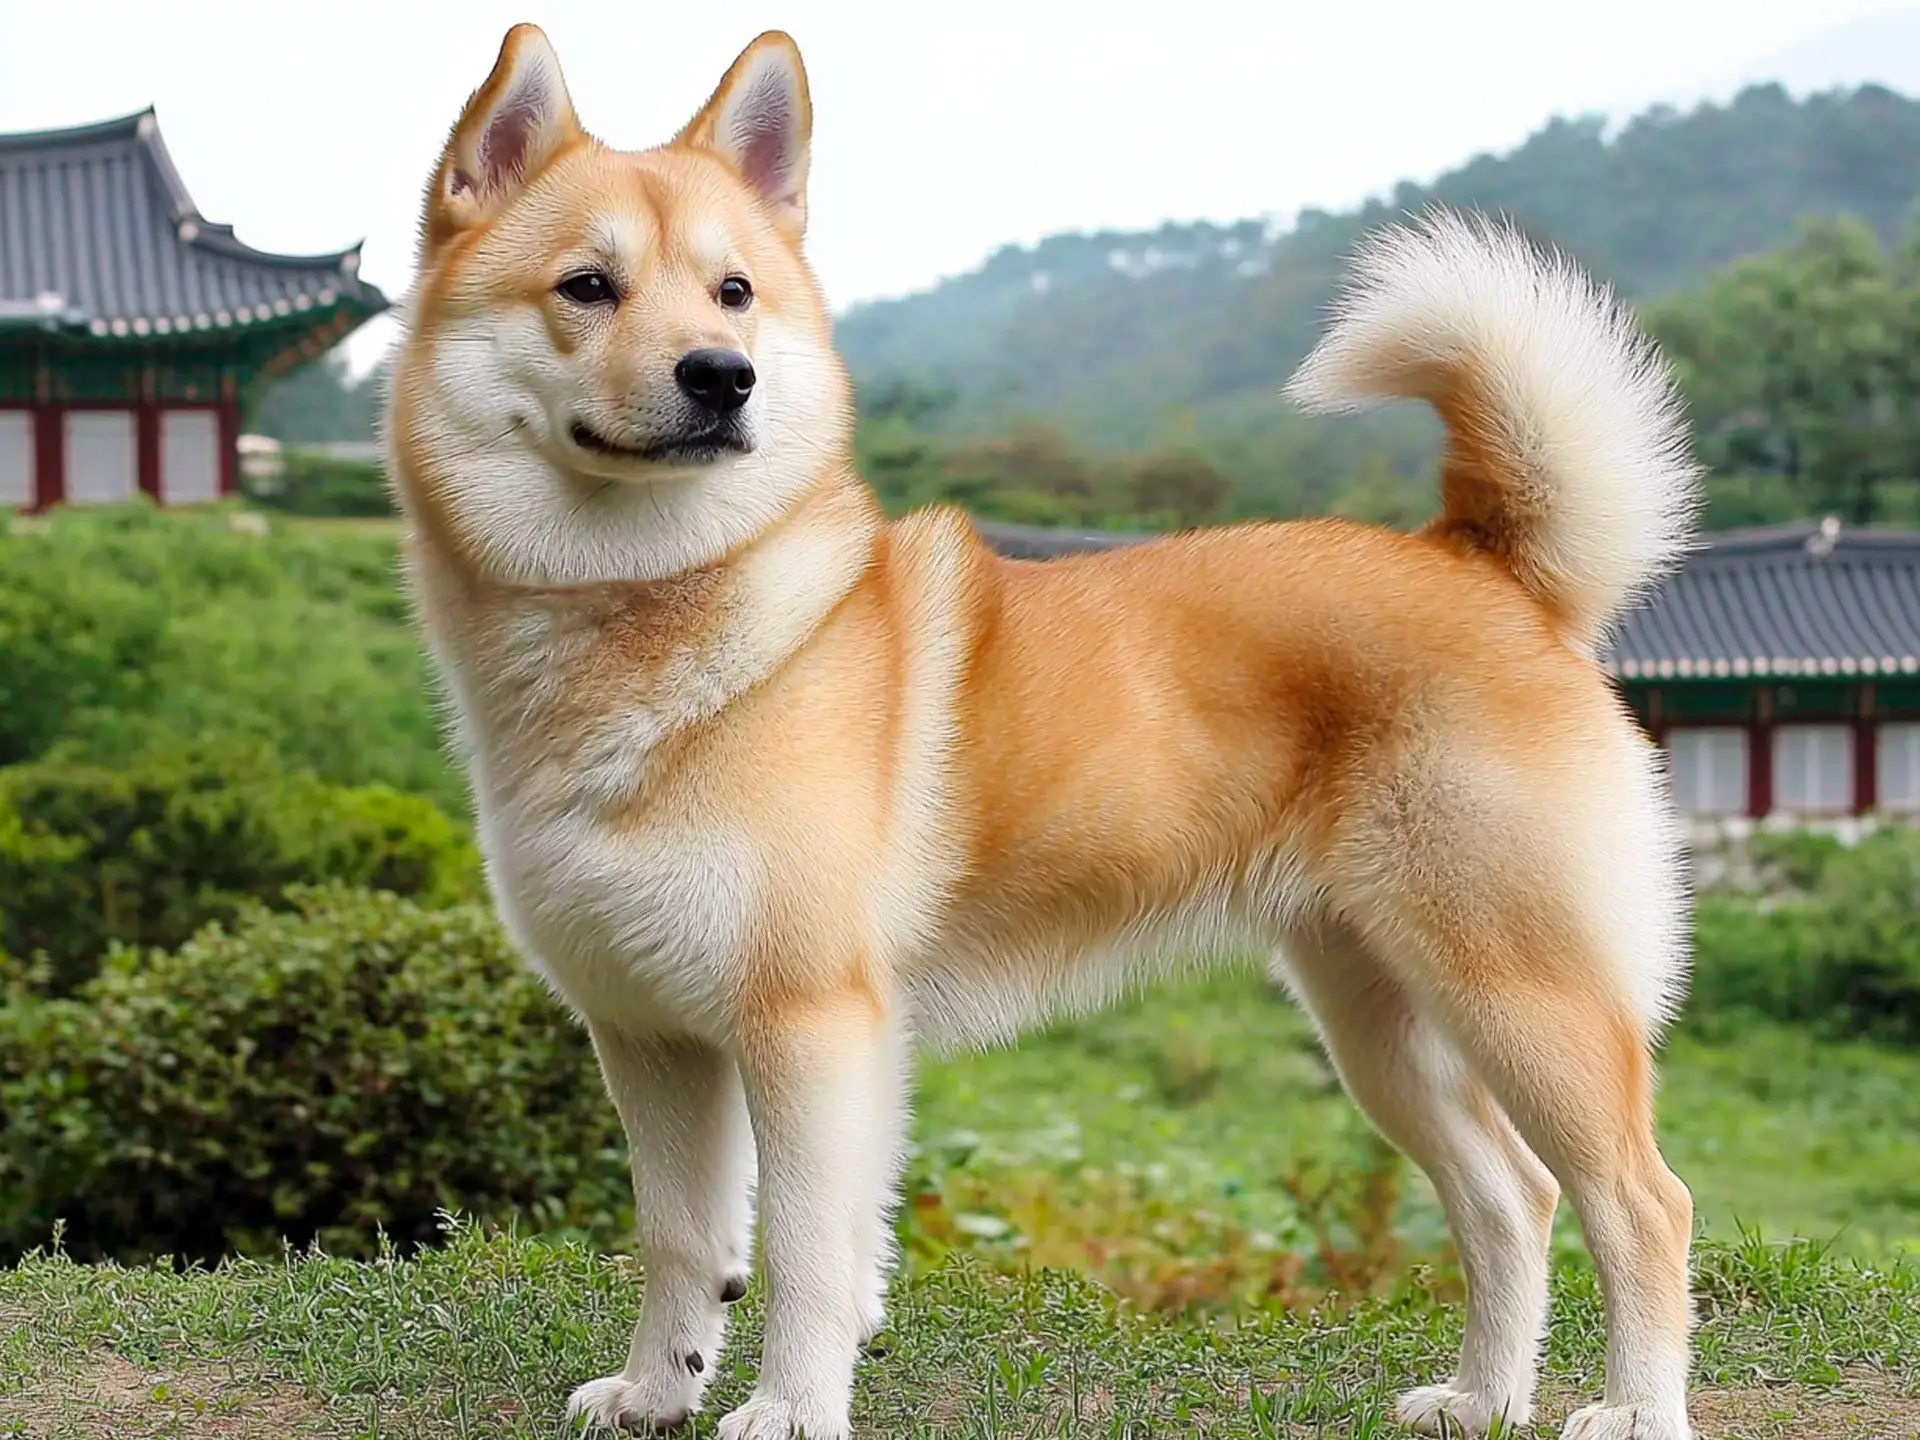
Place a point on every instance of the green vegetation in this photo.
(149, 853)
(359, 1063)
(1132, 343)
(1834, 946)
(311, 482)
(131, 630)
(1132, 380)
(318, 403)
(1802, 369)
(1194, 1150)
(485, 1336)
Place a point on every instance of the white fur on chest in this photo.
(643, 929)
(638, 916)
(625, 882)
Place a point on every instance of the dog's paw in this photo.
(766, 1418)
(1434, 1407)
(650, 1406)
(873, 1318)
(1647, 1421)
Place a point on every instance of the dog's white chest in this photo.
(637, 913)
(641, 927)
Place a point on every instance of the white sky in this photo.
(940, 133)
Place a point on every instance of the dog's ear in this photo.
(513, 124)
(760, 121)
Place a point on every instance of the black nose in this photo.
(721, 380)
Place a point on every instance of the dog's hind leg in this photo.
(1570, 1062)
(1499, 1199)
(681, 1103)
(1543, 984)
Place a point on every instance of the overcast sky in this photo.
(941, 131)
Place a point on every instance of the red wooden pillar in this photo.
(49, 456)
(1866, 756)
(229, 446)
(1760, 756)
(146, 440)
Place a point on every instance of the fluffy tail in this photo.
(1566, 453)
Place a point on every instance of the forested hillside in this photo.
(1182, 336)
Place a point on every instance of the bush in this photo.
(149, 854)
(311, 483)
(1866, 938)
(126, 628)
(1841, 951)
(362, 1063)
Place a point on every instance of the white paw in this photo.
(873, 1317)
(1466, 1411)
(1649, 1420)
(652, 1404)
(766, 1418)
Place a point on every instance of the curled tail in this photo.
(1566, 453)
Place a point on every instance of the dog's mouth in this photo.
(699, 447)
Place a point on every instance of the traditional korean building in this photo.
(1779, 667)
(133, 330)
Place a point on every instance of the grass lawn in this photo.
(1192, 1146)
(485, 1338)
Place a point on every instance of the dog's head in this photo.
(619, 364)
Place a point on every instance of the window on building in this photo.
(189, 456)
(102, 467)
(1709, 767)
(16, 459)
(1897, 765)
(1813, 769)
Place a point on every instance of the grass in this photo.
(485, 1336)
(1194, 1147)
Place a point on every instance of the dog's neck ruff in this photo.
(532, 662)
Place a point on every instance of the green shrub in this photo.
(362, 1063)
(1841, 950)
(148, 854)
(126, 628)
(1866, 938)
(1751, 959)
(311, 483)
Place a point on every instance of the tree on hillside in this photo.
(1112, 338)
(1802, 368)
(1178, 487)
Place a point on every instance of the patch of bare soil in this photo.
(1866, 1405)
(106, 1396)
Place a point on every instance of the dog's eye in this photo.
(735, 293)
(591, 288)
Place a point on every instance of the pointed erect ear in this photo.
(760, 121)
(513, 124)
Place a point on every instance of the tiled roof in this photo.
(98, 234)
(1038, 542)
(1787, 600)
(1790, 600)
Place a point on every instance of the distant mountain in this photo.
(1183, 335)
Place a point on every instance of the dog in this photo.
(772, 788)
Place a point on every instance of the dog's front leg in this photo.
(825, 1083)
(686, 1121)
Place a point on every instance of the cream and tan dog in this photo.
(772, 788)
